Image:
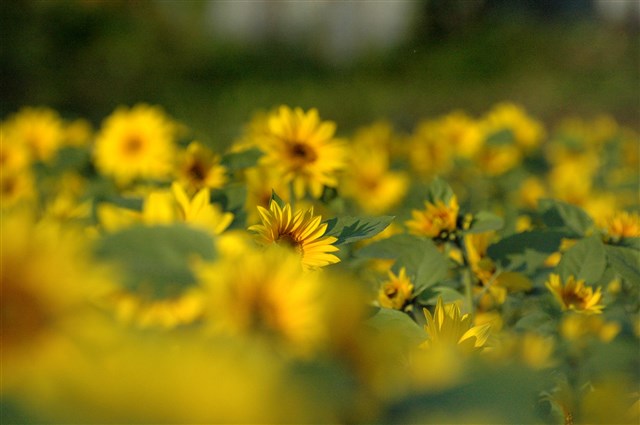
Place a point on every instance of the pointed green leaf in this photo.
(399, 323)
(351, 229)
(585, 260)
(526, 251)
(430, 295)
(439, 190)
(433, 267)
(275, 198)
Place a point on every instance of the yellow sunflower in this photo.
(446, 326)
(199, 167)
(435, 220)
(303, 150)
(264, 292)
(574, 295)
(135, 143)
(40, 130)
(302, 231)
(396, 291)
(622, 224)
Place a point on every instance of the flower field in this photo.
(476, 269)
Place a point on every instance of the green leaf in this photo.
(275, 198)
(538, 321)
(560, 215)
(527, 250)
(625, 261)
(485, 221)
(501, 137)
(439, 190)
(351, 229)
(430, 295)
(399, 323)
(633, 243)
(235, 161)
(232, 199)
(156, 258)
(585, 260)
(419, 256)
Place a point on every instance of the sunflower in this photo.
(40, 130)
(302, 231)
(267, 293)
(436, 220)
(302, 150)
(200, 168)
(574, 295)
(396, 291)
(447, 327)
(135, 143)
(622, 224)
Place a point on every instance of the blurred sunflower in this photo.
(272, 296)
(40, 130)
(302, 231)
(199, 167)
(622, 224)
(574, 295)
(303, 150)
(396, 291)
(135, 143)
(446, 326)
(436, 220)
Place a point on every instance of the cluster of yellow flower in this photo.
(147, 278)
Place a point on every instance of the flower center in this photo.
(23, 316)
(288, 241)
(302, 154)
(132, 145)
(197, 171)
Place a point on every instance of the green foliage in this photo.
(439, 190)
(157, 258)
(526, 251)
(235, 161)
(352, 229)
(232, 198)
(585, 260)
(565, 217)
(485, 221)
(625, 261)
(278, 200)
(399, 323)
(419, 256)
(502, 137)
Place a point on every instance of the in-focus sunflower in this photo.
(574, 295)
(302, 231)
(136, 143)
(448, 327)
(200, 168)
(303, 150)
(436, 220)
(396, 291)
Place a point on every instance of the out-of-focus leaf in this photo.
(633, 243)
(156, 258)
(485, 221)
(526, 251)
(238, 160)
(537, 321)
(439, 190)
(278, 200)
(419, 256)
(501, 137)
(625, 261)
(232, 199)
(430, 295)
(585, 260)
(351, 229)
(399, 323)
(560, 215)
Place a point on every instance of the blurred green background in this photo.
(213, 64)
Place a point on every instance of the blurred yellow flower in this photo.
(429, 155)
(199, 211)
(40, 130)
(578, 327)
(302, 231)
(78, 133)
(272, 295)
(622, 224)
(136, 143)
(574, 295)
(462, 132)
(495, 160)
(396, 291)
(448, 327)
(436, 220)
(527, 132)
(531, 190)
(261, 183)
(200, 168)
(303, 150)
(16, 187)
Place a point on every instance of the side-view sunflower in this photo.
(574, 295)
(434, 219)
(303, 231)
